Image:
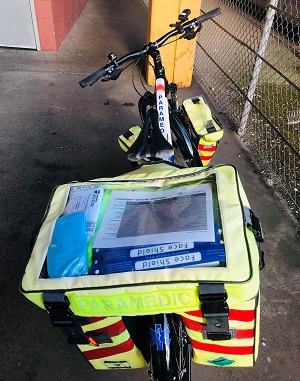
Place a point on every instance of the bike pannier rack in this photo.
(218, 300)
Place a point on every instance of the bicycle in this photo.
(166, 136)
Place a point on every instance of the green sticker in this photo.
(221, 361)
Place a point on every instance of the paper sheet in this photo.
(85, 198)
(140, 217)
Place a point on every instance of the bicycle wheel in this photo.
(185, 152)
(170, 349)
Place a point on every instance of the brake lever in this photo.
(189, 34)
(113, 76)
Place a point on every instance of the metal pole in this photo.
(258, 63)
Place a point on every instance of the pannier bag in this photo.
(207, 128)
(158, 240)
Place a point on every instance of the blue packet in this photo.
(67, 252)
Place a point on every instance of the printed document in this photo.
(85, 198)
(141, 217)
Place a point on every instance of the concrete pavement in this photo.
(52, 132)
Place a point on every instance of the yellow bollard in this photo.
(178, 57)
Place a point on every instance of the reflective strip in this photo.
(242, 350)
(109, 351)
(131, 304)
(198, 327)
(240, 315)
(208, 148)
(205, 157)
(100, 323)
(112, 330)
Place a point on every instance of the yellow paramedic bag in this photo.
(189, 247)
(207, 128)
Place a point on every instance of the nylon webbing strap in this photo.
(215, 310)
(210, 127)
(57, 304)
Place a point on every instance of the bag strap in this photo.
(215, 310)
(57, 304)
(210, 128)
(253, 223)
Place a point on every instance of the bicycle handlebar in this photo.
(91, 79)
(209, 15)
(109, 68)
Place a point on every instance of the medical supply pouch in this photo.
(208, 130)
(110, 344)
(166, 240)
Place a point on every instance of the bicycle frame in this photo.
(169, 346)
(163, 111)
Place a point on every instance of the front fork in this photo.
(168, 348)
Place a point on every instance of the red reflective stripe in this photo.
(206, 148)
(205, 157)
(245, 333)
(95, 319)
(193, 325)
(199, 327)
(113, 330)
(160, 87)
(240, 315)
(222, 349)
(111, 351)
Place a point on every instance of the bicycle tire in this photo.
(171, 352)
(185, 154)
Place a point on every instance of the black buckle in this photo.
(57, 304)
(215, 310)
(256, 228)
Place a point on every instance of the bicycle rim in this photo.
(171, 361)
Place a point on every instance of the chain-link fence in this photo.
(248, 60)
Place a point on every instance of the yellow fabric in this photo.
(207, 358)
(133, 303)
(241, 285)
(124, 142)
(199, 115)
(128, 360)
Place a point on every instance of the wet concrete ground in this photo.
(52, 132)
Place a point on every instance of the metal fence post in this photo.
(258, 63)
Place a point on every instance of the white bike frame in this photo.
(162, 105)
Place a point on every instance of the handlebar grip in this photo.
(208, 15)
(91, 79)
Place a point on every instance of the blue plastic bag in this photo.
(67, 252)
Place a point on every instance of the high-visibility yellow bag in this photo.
(202, 263)
(207, 127)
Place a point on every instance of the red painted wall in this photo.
(55, 19)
